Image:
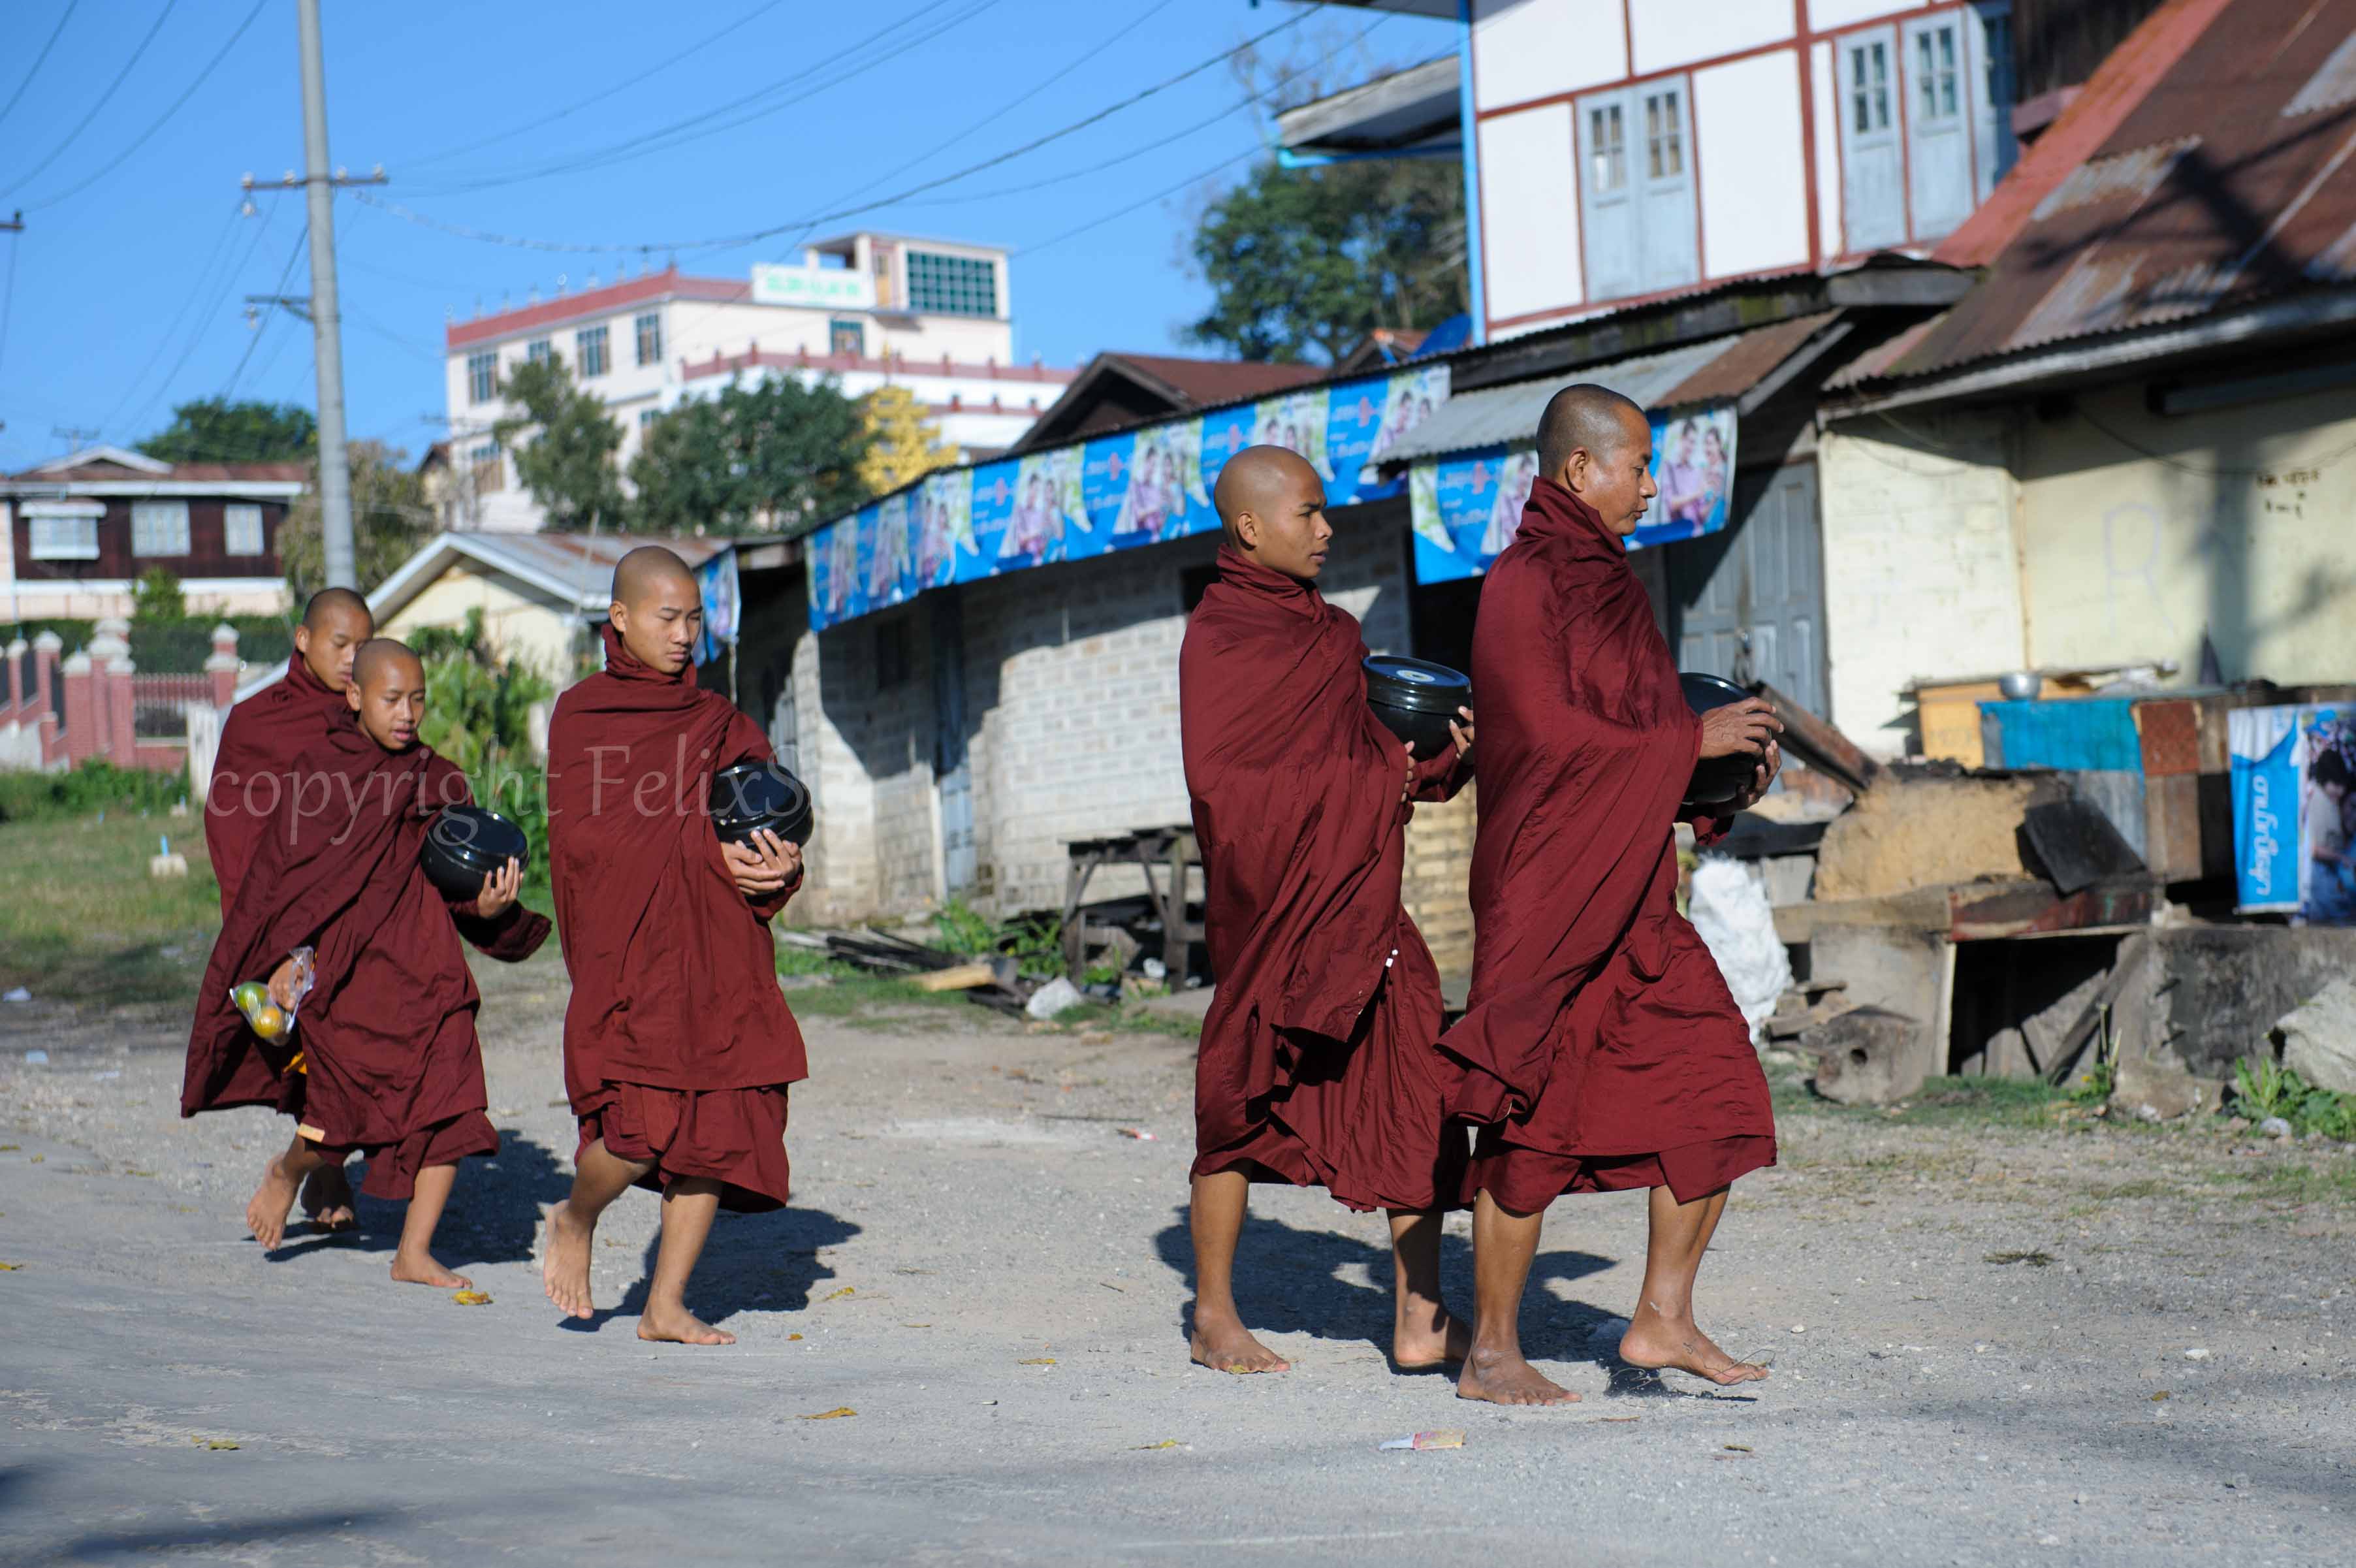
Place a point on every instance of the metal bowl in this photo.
(466, 843)
(2020, 686)
(1416, 699)
(1717, 780)
(755, 795)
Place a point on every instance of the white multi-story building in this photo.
(869, 310)
(1630, 149)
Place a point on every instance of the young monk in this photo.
(252, 775)
(1602, 1050)
(678, 1045)
(393, 1066)
(1317, 1065)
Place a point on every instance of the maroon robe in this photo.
(1602, 1047)
(678, 1044)
(391, 1065)
(1317, 1065)
(253, 768)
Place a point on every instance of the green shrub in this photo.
(1036, 945)
(157, 598)
(2267, 1089)
(94, 786)
(478, 714)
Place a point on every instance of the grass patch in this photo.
(1128, 1019)
(84, 920)
(2144, 1189)
(2292, 1183)
(1940, 1102)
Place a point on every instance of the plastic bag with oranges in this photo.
(261, 1011)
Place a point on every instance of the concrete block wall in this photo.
(1437, 873)
(1922, 562)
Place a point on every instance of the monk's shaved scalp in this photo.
(645, 570)
(329, 602)
(1253, 481)
(380, 657)
(1585, 416)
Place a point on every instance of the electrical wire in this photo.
(1196, 179)
(39, 59)
(301, 241)
(680, 132)
(8, 293)
(99, 105)
(599, 97)
(730, 241)
(204, 284)
(178, 104)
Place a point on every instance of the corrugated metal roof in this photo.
(2230, 177)
(1717, 370)
(583, 562)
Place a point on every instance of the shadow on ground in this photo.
(493, 1215)
(764, 1261)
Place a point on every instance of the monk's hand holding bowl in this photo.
(1462, 733)
(499, 890)
(764, 864)
(1743, 728)
(1761, 776)
(1406, 785)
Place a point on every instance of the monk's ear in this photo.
(352, 695)
(618, 614)
(303, 641)
(1247, 530)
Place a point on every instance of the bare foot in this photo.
(564, 1268)
(1429, 1346)
(1504, 1378)
(327, 1198)
(1653, 1342)
(1226, 1346)
(681, 1326)
(422, 1270)
(274, 1201)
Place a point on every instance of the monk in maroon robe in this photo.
(1317, 1065)
(386, 1034)
(252, 775)
(677, 1045)
(1602, 1051)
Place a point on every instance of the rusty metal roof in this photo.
(2210, 164)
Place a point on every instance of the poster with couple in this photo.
(1113, 492)
(1467, 506)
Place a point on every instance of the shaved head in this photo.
(330, 602)
(1272, 508)
(1586, 416)
(335, 622)
(382, 659)
(647, 570)
(658, 609)
(388, 692)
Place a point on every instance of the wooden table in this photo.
(1162, 855)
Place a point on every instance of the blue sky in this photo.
(128, 287)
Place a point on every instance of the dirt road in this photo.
(984, 1269)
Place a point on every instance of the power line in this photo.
(1122, 212)
(99, 105)
(674, 134)
(178, 104)
(730, 241)
(1161, 142)
(40, 59)
(8, 289)
(204, 282)
(599, 97)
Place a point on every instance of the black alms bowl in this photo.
(466, 843)
(1717, 780)
(755, 795)
(1416, 698)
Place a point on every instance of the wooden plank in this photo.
(964, 977)
(1819, 745)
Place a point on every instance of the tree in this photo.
(214, 430)
(756, 458)
(901, 444)
(1304, 263)
(157, 600)
(568, 462)
(390, 520)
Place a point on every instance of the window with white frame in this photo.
(159, 528)
(241, 530)
(482, 375)
(589, 352)
(647, 416)
(484, 467)
(1639, 231)
(649, 330)
(1873, 178)
(539, 351)
(63, 535)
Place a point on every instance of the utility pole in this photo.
(326, 319)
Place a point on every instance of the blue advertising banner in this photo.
(2294, 811)
(1468, 506)
(1114, 492)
